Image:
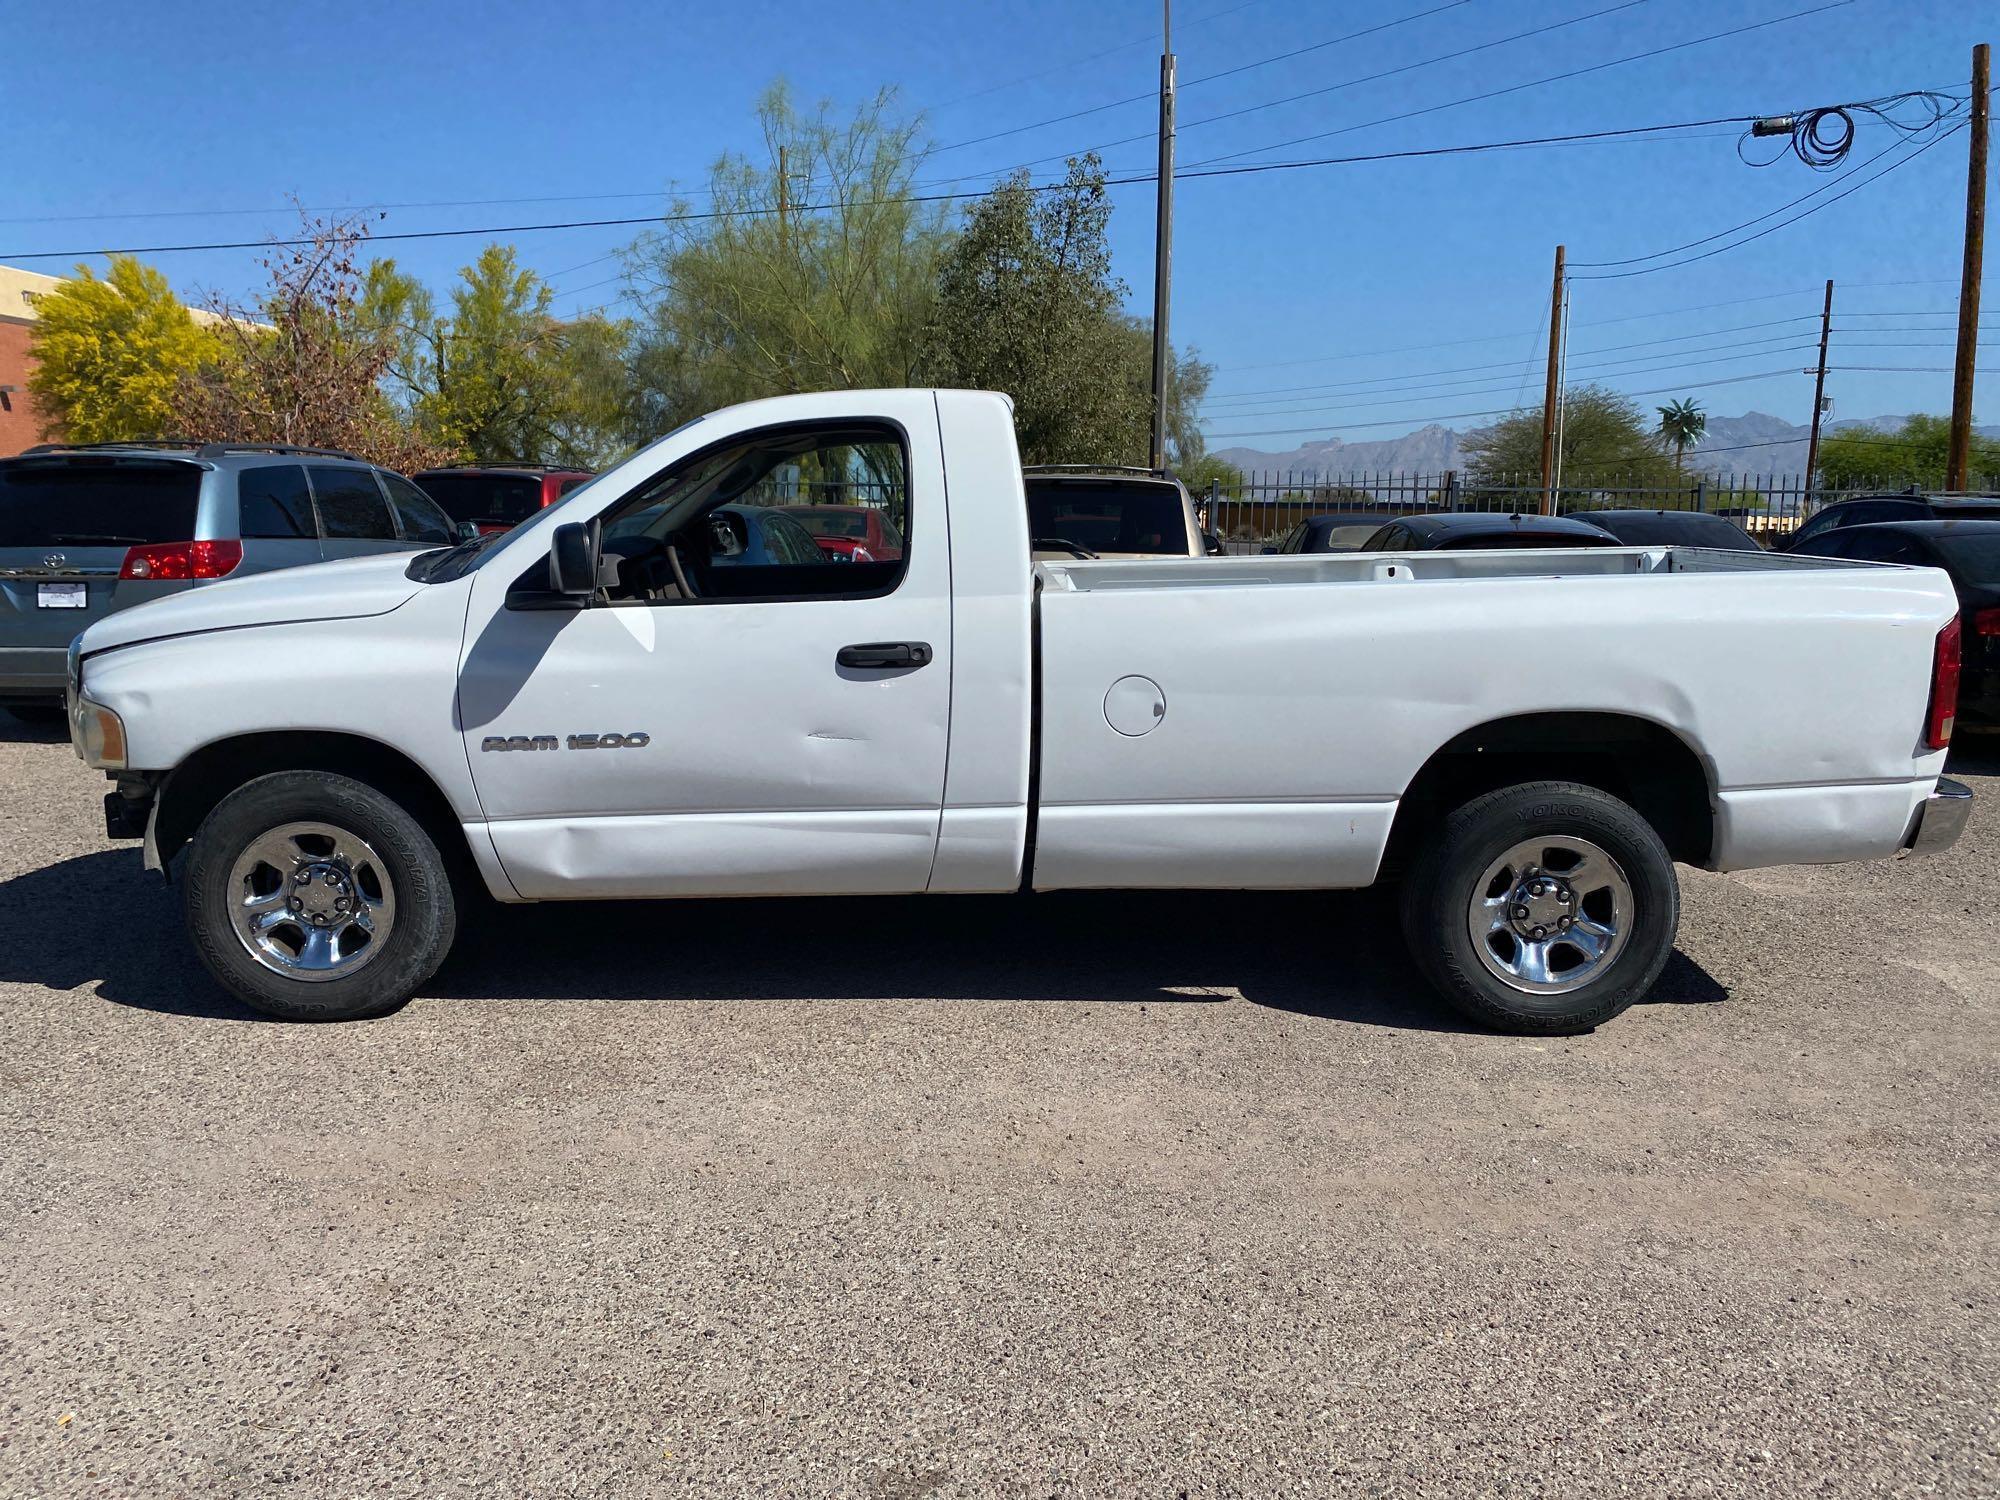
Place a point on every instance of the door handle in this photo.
(885, 656)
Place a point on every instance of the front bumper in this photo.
(1940, 820)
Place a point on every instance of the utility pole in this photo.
(1819, 389)
(1163, 236)
(784, 198)
(1975, 255)
(1550, 392)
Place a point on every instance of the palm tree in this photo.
(1683, 424)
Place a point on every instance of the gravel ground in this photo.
(1111, 1196)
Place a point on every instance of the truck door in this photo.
(739, 712)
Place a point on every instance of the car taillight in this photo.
(1944, 688)
(182, 560)
(1986, 622)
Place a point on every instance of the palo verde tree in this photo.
(499, 377)
(1027, 304)
(1914, 453)
(109, 354)
(1605, 442)
(809, 269)
(1683, 424)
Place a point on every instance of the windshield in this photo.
(1686, 528)
(1108, 515)
(100, 503)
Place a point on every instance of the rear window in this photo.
(1684, 529)
(509, 498)
(1977, 557)
(97, 504)
(1108, 515)
(1496, 540)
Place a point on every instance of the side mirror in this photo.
(573, 560)
(468, 531)
(1270, 552)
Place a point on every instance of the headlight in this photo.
(99, 736)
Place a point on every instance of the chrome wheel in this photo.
(1551, 914)
(312, 901)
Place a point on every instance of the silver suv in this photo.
(89, 529)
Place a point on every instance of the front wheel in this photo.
(1543, 909)
(313, 897)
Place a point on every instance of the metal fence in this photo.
(1259, 511)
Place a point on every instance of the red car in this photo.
(497, 497)
(850, 533)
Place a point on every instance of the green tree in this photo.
(1027, 304)
(1605, 443)
(109, 354)
(1913, 454)
(814, 275)
(1684, 424)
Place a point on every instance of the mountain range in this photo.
(1754, 443)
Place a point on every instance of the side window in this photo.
(273, 504)
(571, 483)
(351, 506)
(419, 516)
(1294, 539)
(1885, 547)
(746, 520)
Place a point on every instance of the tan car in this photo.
(1084, 510)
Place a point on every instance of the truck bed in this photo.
(1292, 700)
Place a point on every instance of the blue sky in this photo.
(1356, 300)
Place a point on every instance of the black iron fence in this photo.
(1259, 511)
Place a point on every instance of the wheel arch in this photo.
(192, 790)
(1638, 760)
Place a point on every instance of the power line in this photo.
(1096, 109)
(1497, 412)
(1782, 223)
(1130, 179)
(1508, 364)
(1649, 53)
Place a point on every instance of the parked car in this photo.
(1867, 510)
(958, 721)
(850, 533)
(1337, 531)
(1082, 511)
(496, 497)
(1472, 530)
(89, 529)
(1969, 551)
(1671, 528)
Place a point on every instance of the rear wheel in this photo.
(314, 897)
(1543, 909)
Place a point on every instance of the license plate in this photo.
(63, 596)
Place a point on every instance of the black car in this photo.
(1673, 528)
(1869, 510)
(1484, 530)
(1337, 531)
(1970, 552)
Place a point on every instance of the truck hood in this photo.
(346, 590)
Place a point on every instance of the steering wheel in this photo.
(1059, 544)
(680, 573)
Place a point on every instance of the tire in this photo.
(1549, 986)
(373, 952)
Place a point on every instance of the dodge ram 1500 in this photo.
(647, 690)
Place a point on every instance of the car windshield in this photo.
(1108, 515)
(62, 502)
(1684, 528)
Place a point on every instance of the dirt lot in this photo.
(1148, 1196)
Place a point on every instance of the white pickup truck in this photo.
(655, 689)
